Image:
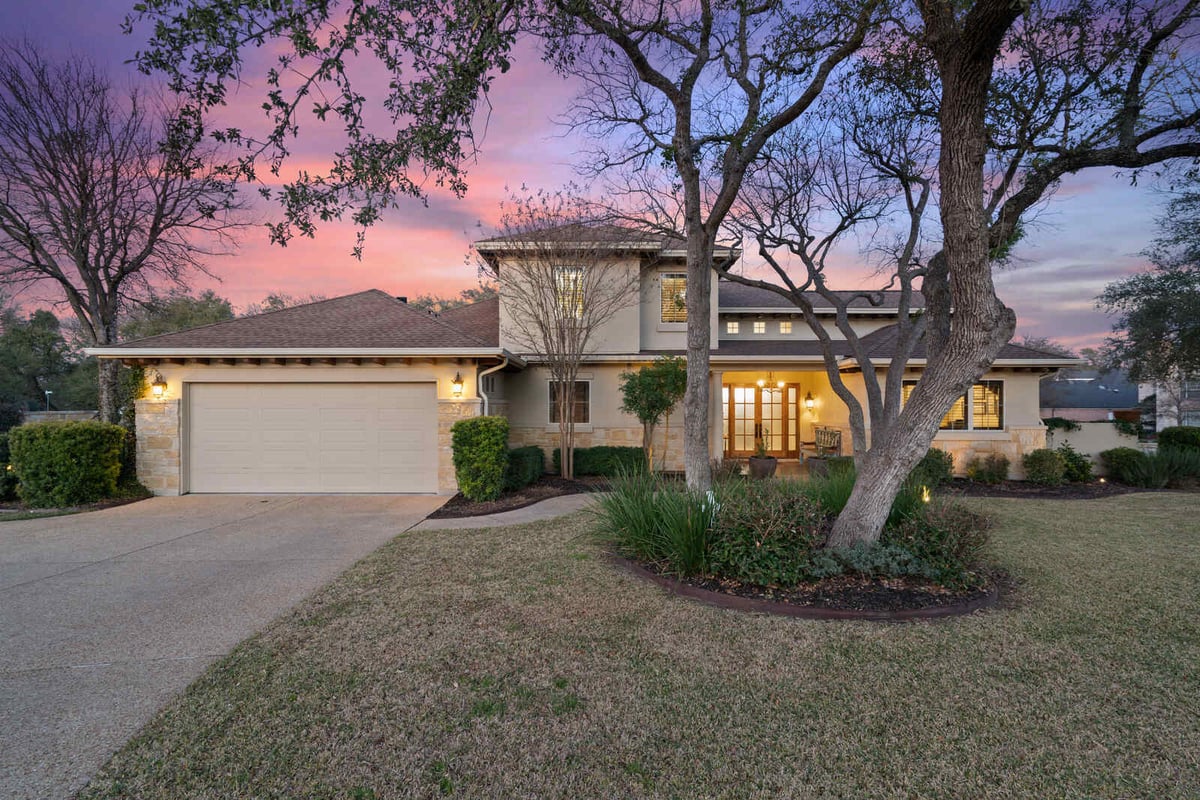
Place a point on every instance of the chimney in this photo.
(403, 300)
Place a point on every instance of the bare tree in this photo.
(561, 281)
(102, 195)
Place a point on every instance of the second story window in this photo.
(731, 327)
(674, 297)
(569, 285)
(760, 327)
(785, 327)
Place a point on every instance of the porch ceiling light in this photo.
(809, 403)
(159, 387)
(456, 385)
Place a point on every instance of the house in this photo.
(358, 393)
(1175, 403)
(1088, 395)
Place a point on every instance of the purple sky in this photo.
(1090, 234)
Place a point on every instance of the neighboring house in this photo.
(358, 393)
(1176, 403)
(1087, 395)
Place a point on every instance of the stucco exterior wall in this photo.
(659, 335)
(1091, 439)
(800, 329)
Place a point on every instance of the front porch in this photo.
(789, 412)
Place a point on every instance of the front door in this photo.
(760, 412)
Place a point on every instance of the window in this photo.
(982, 407)
(785, 327)
(674, 297)
(489, 383)
(1190, 418)
(1191, 388)
(731, 327)
(760, 327)
(569, 284)
(583, 405)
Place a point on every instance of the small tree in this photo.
(650, 394)
(561, 280)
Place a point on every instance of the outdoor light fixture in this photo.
(762, 382)
(159, 387)
(809, 403)
(456, 385)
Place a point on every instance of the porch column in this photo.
(716, 447)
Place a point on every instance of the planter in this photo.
(763, 467)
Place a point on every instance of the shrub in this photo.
(766, 534)
(1077, 468)
(11, 415)
(525, 465)
(604, 461)
(8, 483)
(5, 456)
(992, 469)
(1179, 437)
(66, 463)
(480, 448)
(1060, 424)
(946, 538)
(1165, 468)
(658, 523)
(725, 470)
(936, 468)
(1120, 461)
(1045, 467)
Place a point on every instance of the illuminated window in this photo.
(983, 407)
(785, 327)
(760, 327)
(569, 283)
(674, 297)
(731, 327)
(583, 405)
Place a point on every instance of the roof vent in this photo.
(403, 300)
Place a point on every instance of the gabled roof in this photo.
(600, 236)
(480, 320)
(734, 296)
(370, 320)
(881, 344)
(1089, 388)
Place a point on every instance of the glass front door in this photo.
(759, 412)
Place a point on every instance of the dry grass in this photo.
(516, 663)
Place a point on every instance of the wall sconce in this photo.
(809, 403)
(456, 385)
(159, 387)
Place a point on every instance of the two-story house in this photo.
(358, 393)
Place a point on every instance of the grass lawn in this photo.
(516, 663)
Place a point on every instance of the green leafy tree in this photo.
(34, 356)
(475, 294)
(175, 311)
(649, 394)
(277, 301)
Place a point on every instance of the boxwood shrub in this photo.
(936, 468)
(66, 463)
(1179, 437)
(604, 461)
(525, 465)
(480, 448)
(1045, 467)
(1120, 462)
(992, 469)
(1078, 466)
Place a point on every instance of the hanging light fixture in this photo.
(456, 385)
(809, 403)
(159, 387)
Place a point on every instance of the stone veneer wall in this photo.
(158, 445)
(612, 437)
(450, 412)
(1021, 440)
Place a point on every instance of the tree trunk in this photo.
(109, 378)
(648, 444)
(696, 468)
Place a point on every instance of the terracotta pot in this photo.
(763, 467)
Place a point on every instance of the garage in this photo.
(312, 437)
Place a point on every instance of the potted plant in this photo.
(762, 464)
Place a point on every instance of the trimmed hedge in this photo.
(66, 463)
(1179, 437)
(607, 462)
(1045, 467)
(1121, 462)
(480, 447)
(992, 469)
(525, 465)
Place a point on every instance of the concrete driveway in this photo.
(105, 616)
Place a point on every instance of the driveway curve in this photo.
(105, 616)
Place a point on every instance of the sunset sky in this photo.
(1090, 234)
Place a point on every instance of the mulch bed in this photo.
(17, 507)
(1031, 491)
(842, 597)
(542, 489)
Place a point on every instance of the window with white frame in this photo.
(731, 327)
(583, 401)
(568, 282)
(981, 409)
(1190, 418)
(785, 327)
(673, 298)
(760, 327)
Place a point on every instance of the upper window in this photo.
(674, 297)
(760, 327)
(785, 327)
(583, 402)
(731, 327)
(981, 409)
(1191, 388)
(569, 285)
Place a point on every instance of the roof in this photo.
(369, 320)
(480, 320)
(1089, 388)
(734, 296)
(882, 343)
(616, 237)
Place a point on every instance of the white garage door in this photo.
(312, 437)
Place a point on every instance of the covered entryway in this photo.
(761, 412)
(311, 437)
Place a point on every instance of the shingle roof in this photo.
(882, 343)
(735, 295)
(587, 234)
(370, 320)
(480, 320)
(1089, 388)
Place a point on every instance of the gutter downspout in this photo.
(479, 382)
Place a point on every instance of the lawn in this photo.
(517, 663)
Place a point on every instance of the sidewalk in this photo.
(546, 509)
